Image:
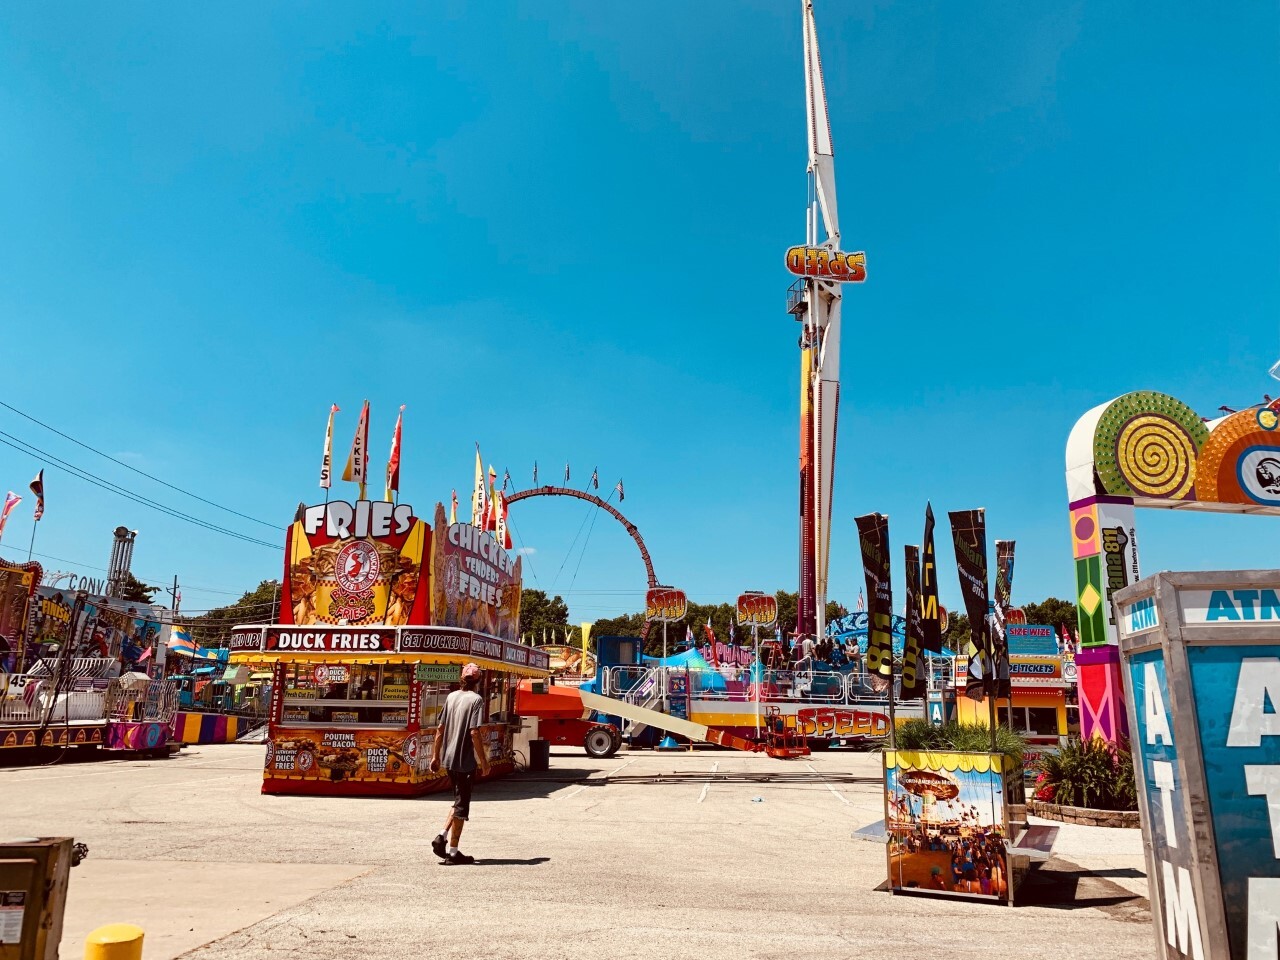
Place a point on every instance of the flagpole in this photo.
(32, 545)
(755, 636)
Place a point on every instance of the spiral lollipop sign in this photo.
(1152, 447)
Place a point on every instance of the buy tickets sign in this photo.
(827, 264)
(665, 604)
(757, 610)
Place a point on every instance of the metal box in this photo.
(33, 896)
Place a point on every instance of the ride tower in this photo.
(815, 302)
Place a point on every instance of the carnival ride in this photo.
(724, 695)
(77, 703)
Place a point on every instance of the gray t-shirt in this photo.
(463, 712)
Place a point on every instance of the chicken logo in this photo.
(357, 567)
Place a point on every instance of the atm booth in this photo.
(1200, 658)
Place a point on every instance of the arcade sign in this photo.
(757, 610)
(824, 264)
(665, 604)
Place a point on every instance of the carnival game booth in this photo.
(353, 709)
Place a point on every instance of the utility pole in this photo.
(162, 645)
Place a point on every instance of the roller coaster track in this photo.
(550, 491)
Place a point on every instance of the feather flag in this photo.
(453, 509)
(688, 634)
(37, 487)
(711, 640)
(491, 514)
(357, 469)
(535, 473)
(393, 460)
(969, 534)
(500, 531)
(479, 502)
(506, 478)
(326, 464)
(621, 496)
(914, 679)
(11, 500)
(566, 472)
(930, 615)
(595, 478)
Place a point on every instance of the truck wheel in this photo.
(598, 743)
(615, 741)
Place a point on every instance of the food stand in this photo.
(379, 611)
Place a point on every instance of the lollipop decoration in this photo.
(1146, 445)
(1240, 463)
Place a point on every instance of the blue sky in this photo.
(557, 229)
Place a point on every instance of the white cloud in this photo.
(527, 551)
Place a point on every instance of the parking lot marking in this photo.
(833, 790)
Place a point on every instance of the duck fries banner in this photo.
(477, 583)
(356, 565)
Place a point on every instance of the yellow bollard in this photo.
(115, 941)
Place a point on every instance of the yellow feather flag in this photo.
(357, 469)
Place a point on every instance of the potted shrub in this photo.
(1087, 781)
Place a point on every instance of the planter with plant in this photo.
(1087, 781)
(919, 734)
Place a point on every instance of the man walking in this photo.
(464, 752)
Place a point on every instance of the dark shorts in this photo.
(461, 793)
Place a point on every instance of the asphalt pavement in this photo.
(705, 854)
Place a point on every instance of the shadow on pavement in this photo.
(494, 862)
(1062, 885)
(529, 786)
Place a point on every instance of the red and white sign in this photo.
(331, 639)
(357, 567)
(331, 673)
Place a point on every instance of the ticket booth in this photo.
(1200, 657)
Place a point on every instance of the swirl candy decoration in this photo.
(1146, 445)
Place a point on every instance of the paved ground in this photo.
(706, 854)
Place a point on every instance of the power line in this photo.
(37, 454)
(143, 473)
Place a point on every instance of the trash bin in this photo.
(539, 754)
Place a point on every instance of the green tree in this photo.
(719, 615)
(1052, 611)
(259, 605)
(542, 615)
(135, 591)
(957, 637)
